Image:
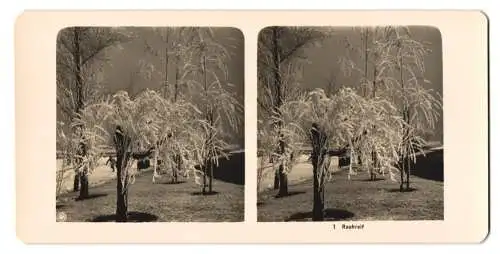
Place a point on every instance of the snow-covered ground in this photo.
(301, 171)
(101, 173)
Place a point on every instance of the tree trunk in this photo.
(166, 74)
(166, 65)
(408, 160)
(365, 42)
(121, 190)
(76, 182)
(211, 177)
(205, 88)
(84, 182)
(373, 177)
(176, 85)
(408, 171)
(175, 169)
(84, 178)
(121, 199)
(204, 190)
(122, 143)
(276, 180)
(402, 172)
(283, 182)
(318, 199)
(351, 159)
(79, 88)
(374, 155)
(318, 160)
(155, 165)
(281, 179)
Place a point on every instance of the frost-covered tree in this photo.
(173, 45)
(127, 126)
(280, 60)
(67, 143)
(177, 134)
(172, 49)
(394, 69)
(367, 60)
(328, 122)
(207, 80)
(419, 106)
(80, 56)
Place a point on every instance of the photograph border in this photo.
(466, 169)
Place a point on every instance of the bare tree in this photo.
(80, 56)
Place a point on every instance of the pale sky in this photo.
(121, 63)
(324, 61)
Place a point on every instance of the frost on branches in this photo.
(206, 76)
(130, 127)
(330, 123)
(392, 67)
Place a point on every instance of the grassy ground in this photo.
(357, 199)
(159, 202)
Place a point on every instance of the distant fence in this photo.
(430, 166)
(59, 154)
(232, 169)
(344, 157)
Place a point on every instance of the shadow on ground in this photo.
(170, 182)
(132, 217)
(429, 166)
(369, 180)
(330, 214)
(404, 190)
(289, 194)
(199, 193)
(91, 196)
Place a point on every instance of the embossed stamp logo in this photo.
(61, 216)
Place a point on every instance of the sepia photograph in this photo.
(150, 124)
(350, 124)
(251, 127)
